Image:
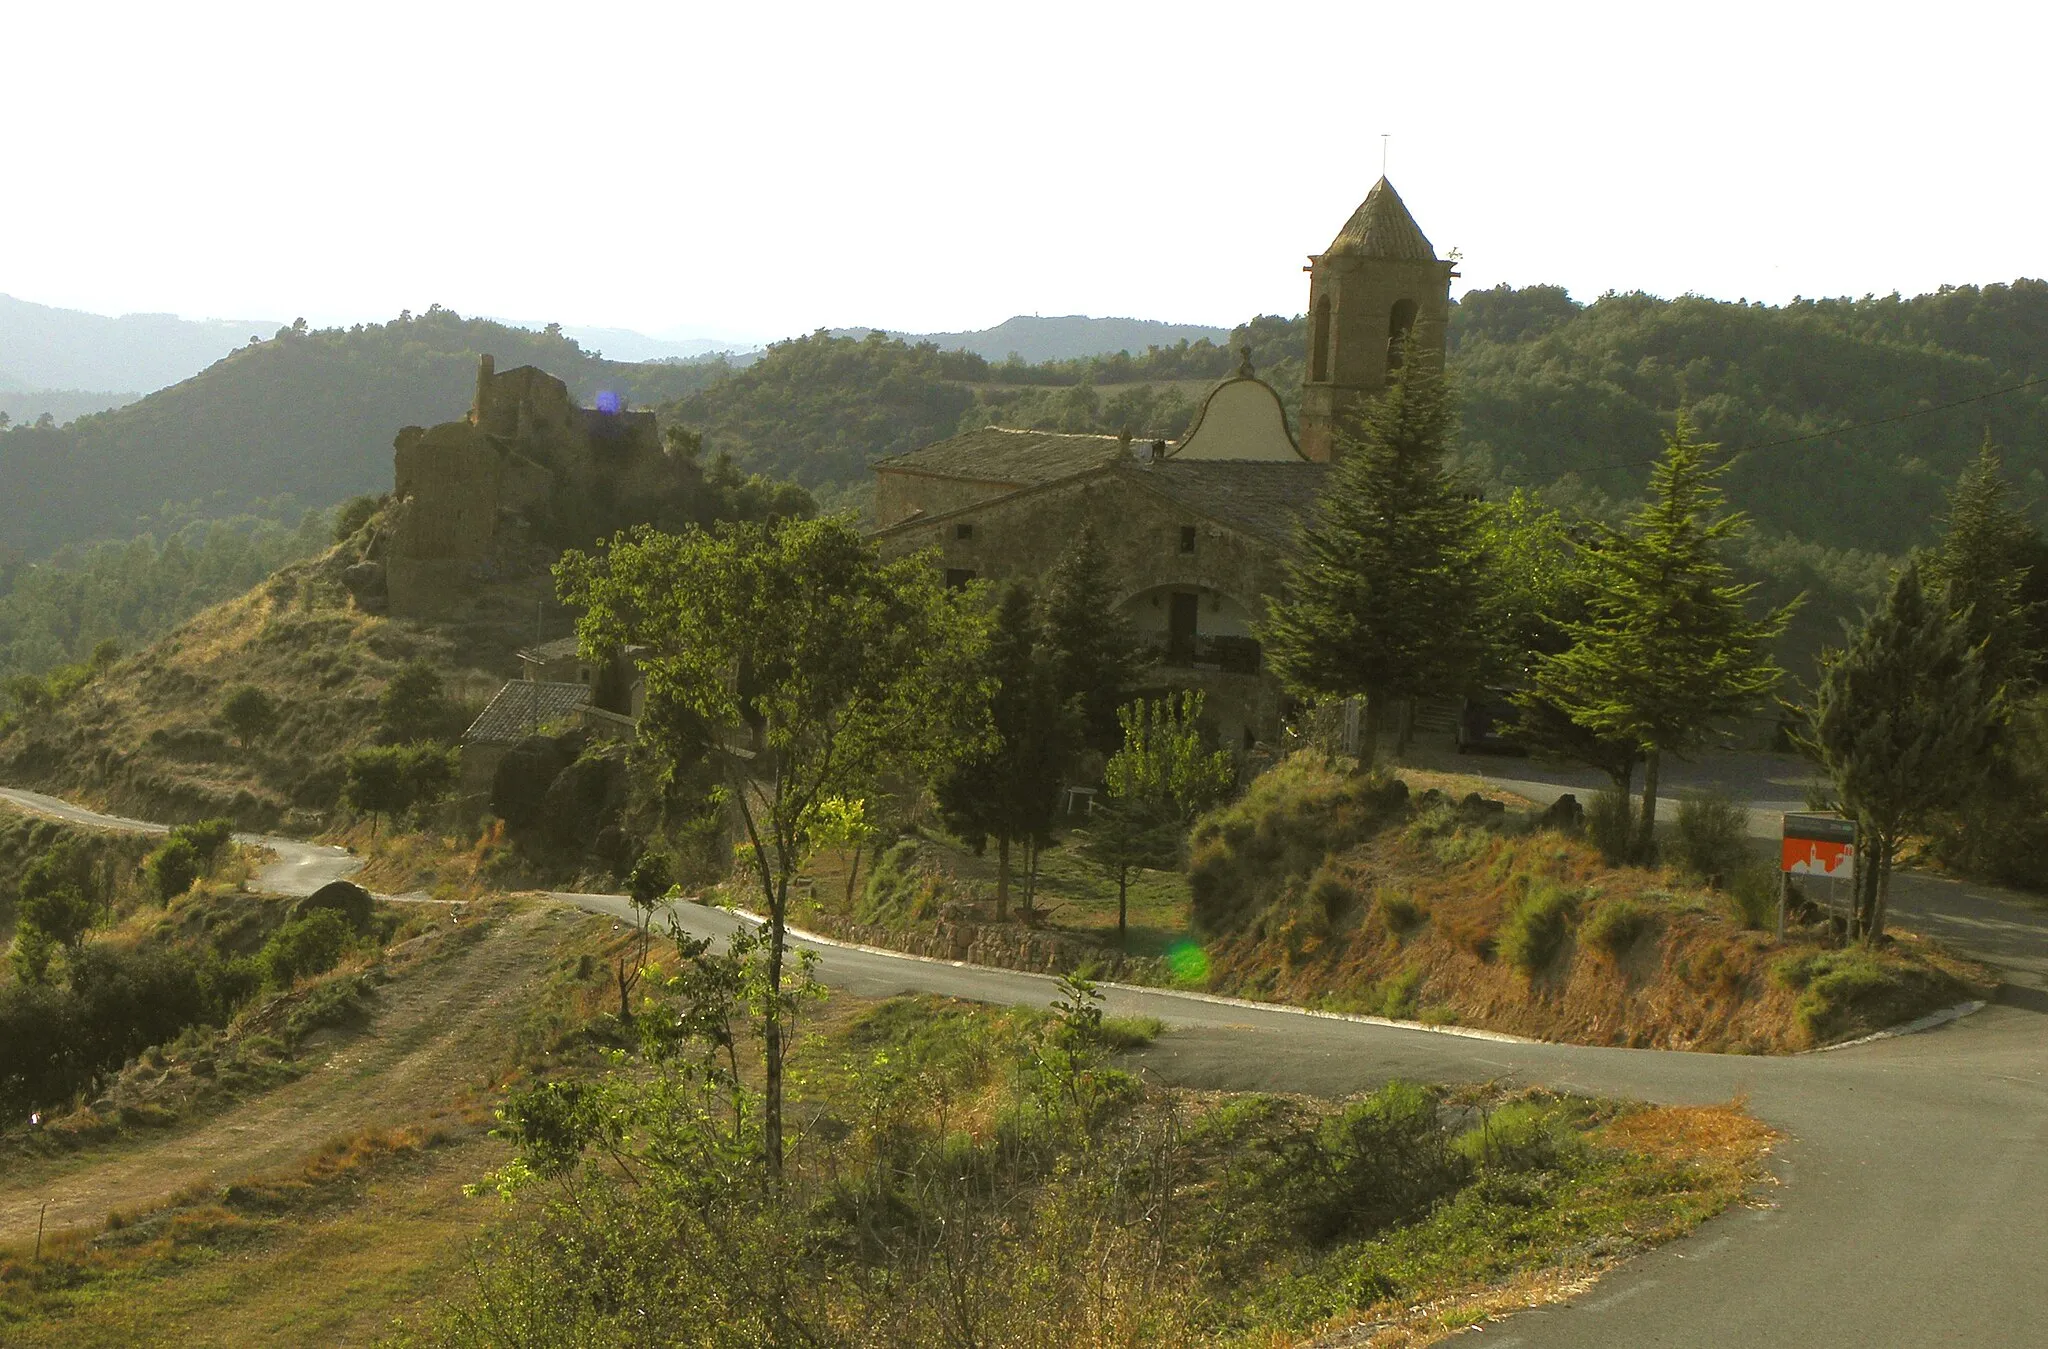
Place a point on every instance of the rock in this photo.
(1481, 808)
(366, 584)
(1565, 815)
(346, 898)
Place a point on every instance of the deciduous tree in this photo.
(806, 665)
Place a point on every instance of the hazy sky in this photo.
(756, 170)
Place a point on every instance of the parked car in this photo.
(1486, 724)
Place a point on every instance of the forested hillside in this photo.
(309, 413)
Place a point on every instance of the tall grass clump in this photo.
(1537, 926)
(1610, 825)
(1711, 838)
(1401, 913)
(1253, 852)
(1618, 924)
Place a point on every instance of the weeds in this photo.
(1711, 839)
(1618, 924)
(1537, 927)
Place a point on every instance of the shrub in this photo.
(249, 714)
(172, 868)
(308, 945)
(1384, 1160)
(1711, 838)
(1536, 928)
(1401, 913)
(414, 706)
(352, 516)
(1610, 824)
(1520, 1136)
(209, 838)
(1332, 895)
(1753, 897)
(1618, 924)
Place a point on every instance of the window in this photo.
(1400, 323)
(1187, 538)
(963, 531)
(1319, 347)
(959, 578)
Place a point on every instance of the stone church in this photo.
(1197, 531)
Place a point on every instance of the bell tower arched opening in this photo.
(1319, 345)
(1400, 323)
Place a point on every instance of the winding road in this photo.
(1913, 1208)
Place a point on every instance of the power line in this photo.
(1839, 430)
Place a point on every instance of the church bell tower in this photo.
(1378, 281)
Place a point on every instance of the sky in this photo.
(749, 171)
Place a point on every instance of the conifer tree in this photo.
(1982, 565)
(1088, 648)
(1899, 723)
(1666, 647)
(1384, 596)
(1007, 788)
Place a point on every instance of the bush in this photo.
(1520, 1136)
(172, 868)
(1753, 897)
(1536, 928)
(1610, 824)
(352, 516)
(209, 838)
(1618, 924)
(1711, 838)
(1384, 1160)
(309, 945)
(249, 714)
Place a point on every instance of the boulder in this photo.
(367, 585)
(346, 898)
(1565, 815)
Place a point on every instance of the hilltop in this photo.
(310, 414)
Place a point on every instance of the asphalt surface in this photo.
(1913, 1204)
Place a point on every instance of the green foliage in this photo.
(209, 838)
(308, 945)
(249, 714)
(1981, 566)
(172, 868)
(1537, 926)
(1666, 648)
(1711, 838)
(1401, 913)
(1385, 597)
(59, 613)
(1898, 723)
(414, 706)
(389, 780)
(1610, 826)
(1164, 761)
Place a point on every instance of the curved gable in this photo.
(1241, 419)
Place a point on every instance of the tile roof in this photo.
(562, 648)
(1019, 458)
(1382, 228)
(524, 707)
(1269, 499)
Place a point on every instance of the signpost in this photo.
(1815, 844)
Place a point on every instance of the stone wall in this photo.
(900, 494)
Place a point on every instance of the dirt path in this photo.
(437, 1035)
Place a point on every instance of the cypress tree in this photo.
(1899, 723)
(1089, 652)
(1982, 564)
(1007, 790)
(1383, 597)
(1666, 646)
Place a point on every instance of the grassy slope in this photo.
(141, 738)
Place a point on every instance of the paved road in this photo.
(1914, 1209)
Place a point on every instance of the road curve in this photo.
(1914, 1203)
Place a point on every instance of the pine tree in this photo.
(1899, 723)
(1089, 650)
(1384, 596)
(1981, 564)
(1666, 647)
(1007, 790)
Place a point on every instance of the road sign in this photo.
(1819, 845)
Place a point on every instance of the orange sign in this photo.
(1819, 857)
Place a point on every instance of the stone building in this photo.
(1197, 532)
(526, 453)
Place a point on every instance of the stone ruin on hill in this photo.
(528, 466)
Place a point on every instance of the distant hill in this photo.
(46, 348)
(309, 414)
(61, 405)
(1073, 336)
(625, 344)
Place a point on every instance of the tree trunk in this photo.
(1123, 891)
(1369, 730)
(852, 875)
(1030, 874)
(1881, 891)
(1407, 735)
(771, 1036)
(1002, 878)
(1646, 834)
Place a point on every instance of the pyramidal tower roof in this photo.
(1382, 228)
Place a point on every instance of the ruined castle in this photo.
(528, 464)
